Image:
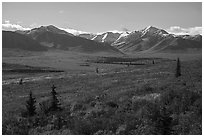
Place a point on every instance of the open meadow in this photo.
(102, 94)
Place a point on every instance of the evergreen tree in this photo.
(97, 70)
(21, 81)
(31, 105)
(55, 104)
(178, 68)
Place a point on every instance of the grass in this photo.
(57, 59)
(119, 100)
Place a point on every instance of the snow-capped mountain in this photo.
(156, 40)
(114, 37)
(148, 39)
(150, 30)
(53, 37)
(36, 31)
(107, 37)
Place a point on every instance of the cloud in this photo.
(12, 27)
(19, 22)
(73, 31)
(125, 29)
(61, 11)
(34, 25)
(185, 31)
(7, 21)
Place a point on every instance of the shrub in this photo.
(45, 106)
(14, 126)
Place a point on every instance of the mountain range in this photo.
(149, 39)
(54, 38)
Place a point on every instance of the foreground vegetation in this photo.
(145, 99)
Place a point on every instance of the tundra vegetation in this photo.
(162, 97)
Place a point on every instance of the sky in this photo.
(175, 17)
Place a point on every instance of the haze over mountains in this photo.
(149, 39)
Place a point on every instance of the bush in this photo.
(16, 126)
(45, 106)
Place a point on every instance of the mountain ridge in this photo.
(53, 37)
(147, 39)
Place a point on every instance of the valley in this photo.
(78, 86)
(102, 68)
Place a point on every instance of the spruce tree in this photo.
(21, 81)
(55, 104)
(97, 70)
(30, 105)
(178, 68)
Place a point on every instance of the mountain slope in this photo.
(157, 40)
(36, 31)
(65, 42)
(108, 37)
(149, 39)
(87, 35)
(53, 37)
(19, 41)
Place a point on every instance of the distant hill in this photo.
(18, 41)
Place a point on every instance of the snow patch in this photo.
(124, 34)
(113, 31)
(94, 37)
(104, 37)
